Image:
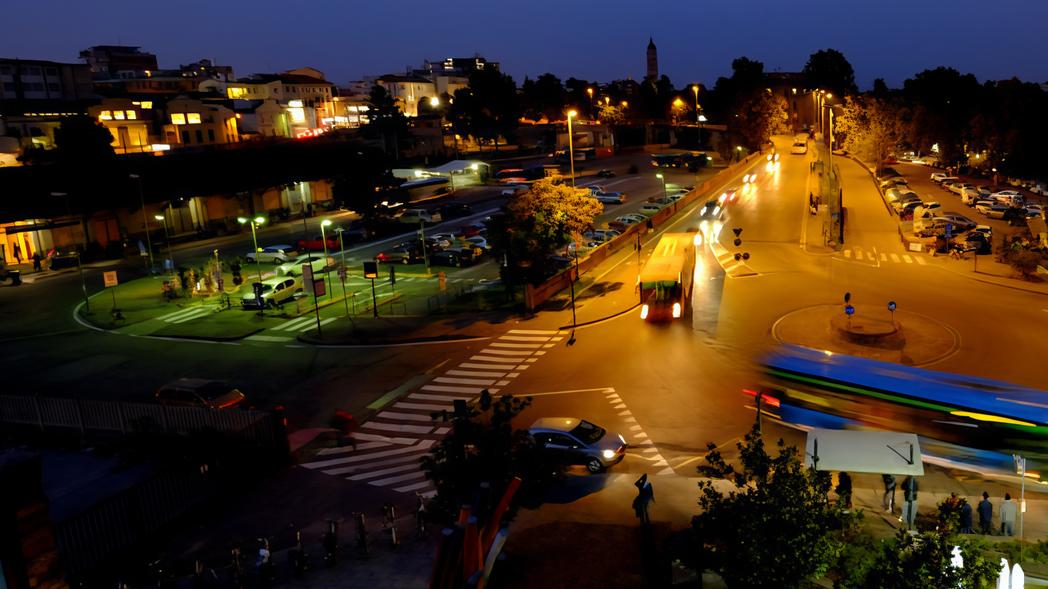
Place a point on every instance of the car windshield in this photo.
(213, 390)
(587, 432)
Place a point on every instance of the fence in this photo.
(263, 428)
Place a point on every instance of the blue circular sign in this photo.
(849, 310)
(891, 305)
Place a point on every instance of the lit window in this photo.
(236, 91)
(298, 114)
(178, 118)
(147, 104)
(106, 115)
(131, 115)
(118, 115)
(193, 118)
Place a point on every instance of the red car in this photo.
(316, 244)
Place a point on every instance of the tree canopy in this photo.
(828, 69)
(488, 108)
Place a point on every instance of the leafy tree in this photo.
(488, 108)
(83, 140)
(760, 115)
(924, 561)
(611, 114)
(355, 185)
(544, 97)
(386, 121)
(536, 223)
(828, 69)
(482, 454)
(868, 127)
(775, 528)
(943, 103)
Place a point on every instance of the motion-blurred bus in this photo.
(666, 279)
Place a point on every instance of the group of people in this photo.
(1008, 509)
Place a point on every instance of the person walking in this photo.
(985, 514)
(1008, 512)
(966, 518)
(889, 492)
(36, 261)
(844, 490)
(909, 508)
(17, 252)
(645, 496)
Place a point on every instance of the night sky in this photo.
(596, 40)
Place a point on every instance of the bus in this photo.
(824, 389)
(666, 279)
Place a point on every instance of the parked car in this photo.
(974, 241)
(416, 216)
(479, 242)
(455, 210)
(316, 243)
(294, 267)
(471, 230)
(894, 194)
(199, 392)
(408, 252)
(958, 187)
(570, 440)
(626, 220)
(601, 235)
(273, 254)
(1008, 197)
(1034, 211)
(984, 205)
(970, 194)
(453, 256)
(997, 211)
(894, 182)
(907, 202)
(663, 201)
(939, 177)
(614, 198)
(605, 173)
(960, 222)
(275, 292)
(650, 209)
(887, 172)
(512, 189)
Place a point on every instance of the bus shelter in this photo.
(855, 451)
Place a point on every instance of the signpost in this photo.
(317, 287)
(371, 272)
(110, 283)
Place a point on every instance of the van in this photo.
(416, 216)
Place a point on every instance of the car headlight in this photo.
(608, 454)
(676, 310)
(698, 239)
(623, 440)
(644, 311)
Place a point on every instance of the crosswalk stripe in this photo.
(404, 477)
(496, 366)
(359, 467)
(441, 431)
(172, 314)
(476, 381)
(847, 253)
(502, 345)
(382, 472)
(908, 259)
(422, 445)
(524, 338)
(398, 427)
(450, 389)
(475, 373)
(494, 359)
(415, 487)
(895, 258)
(189, 315)
(534, 331)
(505, 352)
(293, 324)
(920, 260)
(884, 257)
(347, 449)
(403, 416)
(268, 338)
(387, 439)
(422, 406)
(426, 397)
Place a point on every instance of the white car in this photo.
(939, 177)
(799, 147)
(512, 189)
(478, 241)
(650, 209)
(416, 216)
(1034, 211)
(1008, 197)
(627, 220)
(614, 198)
(970, 194)
(958, 187)
(274, 254)
(294, 267)
(601, 235)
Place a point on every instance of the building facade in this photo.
(118, 61)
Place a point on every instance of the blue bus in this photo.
(825, 389)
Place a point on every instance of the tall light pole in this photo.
(342, 270)
(695, 89)
(571, 146)
(323, 237)
(590, 92)
(663, 178)
(79, 265)
(167, 240)
(145, 220)
(254, 239)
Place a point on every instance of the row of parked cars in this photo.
(1001, 204)
(649, 209)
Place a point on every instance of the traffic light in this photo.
(370, 269)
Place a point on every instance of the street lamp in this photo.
(145, 220)
(323, 237)
(79, 265)
(434, 102)
(663, 178)
(695, 89)
(571, 146)
(254, 239)
(167, 239)
(342, 270)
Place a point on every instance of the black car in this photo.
(453, 256)
(976, 241)
(454, 210)
(605, 173)
(403, 253)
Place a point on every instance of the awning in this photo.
(864, 451)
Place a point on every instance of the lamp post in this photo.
(663, 178)
(145, 220)
(695, 89)
(571, 146)
(254, 239)
(323, 237)
(590, 92)
(342, 270)
(79, 265)
(167, 240)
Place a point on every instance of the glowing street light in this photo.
(663, 178)
(167, 238)
(254, 238)
(695, 89)
(571, 146)
(434, 101)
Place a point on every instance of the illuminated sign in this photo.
(305, 133)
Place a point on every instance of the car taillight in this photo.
(766, 399)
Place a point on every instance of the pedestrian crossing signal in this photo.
(370, 269)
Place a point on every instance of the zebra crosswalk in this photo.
(188, 314)
(391, 444)
(872, 256)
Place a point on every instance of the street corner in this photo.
(871, 332)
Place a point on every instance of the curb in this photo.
(601, 320)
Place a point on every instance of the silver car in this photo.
(576, 441)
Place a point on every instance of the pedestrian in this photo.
(909, 508)
(889, 492)
(36, 261)
(17, 251)
(966, 518)
(1008, 511)
(985, 514)
(645, 496)
(844, 490)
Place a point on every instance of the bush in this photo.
(1024, 261)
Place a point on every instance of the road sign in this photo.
(109, 278)
(371, 270)
(342, 273)
(319, 288)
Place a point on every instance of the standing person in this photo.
(909, 508)
(985, 514)
(645, 496)
(844, 490)
(1008, 512)
(966, 518)
(36, 261)
(17, 251)
(889, 492)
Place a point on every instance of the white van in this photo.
(416, 216)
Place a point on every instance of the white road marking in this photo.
(441, 430)
(532, 360)
(403, 416)
(548, 345)
(425, 397)
(516, 374)
(293, 324)
(884, 257)
(635, 428)
(196, 313)
(416, 487)
(449, 389)
(661, 462)
(345, 449)
(376, 437)
(620, 406)
(847, 253)
(474, 381)
(501, 345)
(522, 367)
(391, 480)
(534, 331)
(268, 338)
(359, 467)
(507, 352)
(382, 472)
(908, 259)
(497, 366)
(495, 359)
(640, 435)
(422, 406)
(422, 445)
(523, 338)
(397, 427)
(502, 383)
(630, 419)
(539, 353)
(555, 339)
(650, 450)
(895, 258)
(664, 472)
(920, 260)
(475, 373)
(624, 413)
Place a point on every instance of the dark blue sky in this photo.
(599, 40)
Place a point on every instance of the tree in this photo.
(924, 561)
(760, 115)
(544, 97)
(868, 127)
(476, 461)
(488, 108)
(828, 69)
(83, 140)
(539, 221)
(386, 121)
(775, 528)
(611, 114)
